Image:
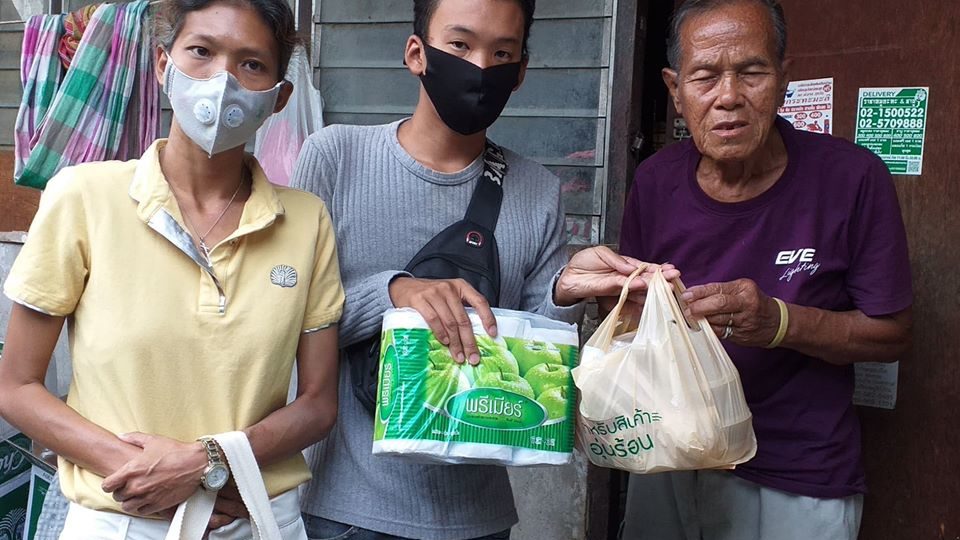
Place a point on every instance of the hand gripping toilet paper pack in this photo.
(515, 408)
(663, 397)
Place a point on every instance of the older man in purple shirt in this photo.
(797, 248)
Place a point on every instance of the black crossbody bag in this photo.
(466, 250)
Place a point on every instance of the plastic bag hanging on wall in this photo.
(28, 8)
(281, 136)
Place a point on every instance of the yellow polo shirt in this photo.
(160, 343)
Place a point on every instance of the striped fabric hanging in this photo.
(74, 24)
(40, 75)
(88, 118)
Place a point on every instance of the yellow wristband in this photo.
(784, 321)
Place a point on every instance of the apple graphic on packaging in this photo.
(442, 380)
(497, 359)
(440, 357)
(532, 353)
(497, 347)
(555, 401)
(486, 342)
(493, 359)
(543, 377)
(506, 381)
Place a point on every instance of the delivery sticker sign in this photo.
(892, 122)
(808, 105)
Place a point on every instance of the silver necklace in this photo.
(202, 237)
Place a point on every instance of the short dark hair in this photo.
(696, 7)
(423, 11)
(170, 15)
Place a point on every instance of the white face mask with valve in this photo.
(217, 113)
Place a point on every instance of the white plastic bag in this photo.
(280, 138)
(668, 399)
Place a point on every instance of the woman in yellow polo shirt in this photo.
(190, 284)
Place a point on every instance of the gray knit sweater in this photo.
(385, 206)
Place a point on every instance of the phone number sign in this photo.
(892, 122)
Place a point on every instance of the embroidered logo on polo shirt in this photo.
(799, 260)
(283, 276)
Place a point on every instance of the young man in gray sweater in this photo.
(389, 190)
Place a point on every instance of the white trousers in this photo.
(716, 505)
(85, 524)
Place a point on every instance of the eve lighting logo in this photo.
(790, 256)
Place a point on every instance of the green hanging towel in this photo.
(40, 75)
(86, 120)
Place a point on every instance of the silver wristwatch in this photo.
(217, 473)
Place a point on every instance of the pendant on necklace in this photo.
(205, 249)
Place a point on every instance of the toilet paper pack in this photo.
(515, 408)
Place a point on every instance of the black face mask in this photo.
(467, 98)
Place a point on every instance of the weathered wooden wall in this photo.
(913, 452)
(17, 204)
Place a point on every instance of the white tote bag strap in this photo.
(192, 515)
(246, 473)
(190, 521)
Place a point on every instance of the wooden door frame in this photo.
(626, 99)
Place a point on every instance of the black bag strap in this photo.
(484, 208)
(473, 255)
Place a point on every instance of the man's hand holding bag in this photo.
(666, 397)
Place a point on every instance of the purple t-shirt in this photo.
(829, 235)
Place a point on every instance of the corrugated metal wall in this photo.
(11, 36)
(559, 117)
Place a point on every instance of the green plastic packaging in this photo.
(515, 408)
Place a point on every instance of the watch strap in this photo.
(214, 454)
(193, 515)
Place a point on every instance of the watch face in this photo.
(217, 477)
